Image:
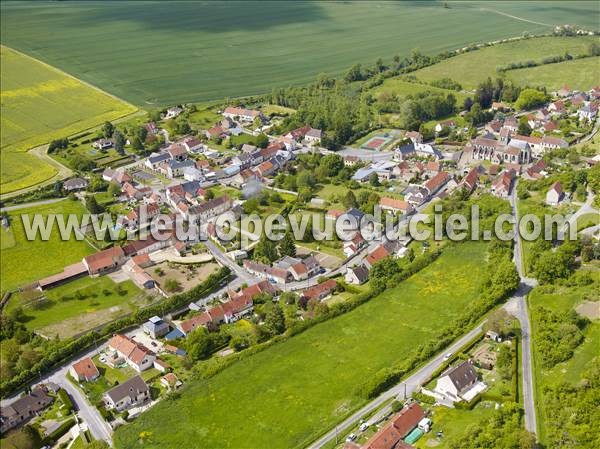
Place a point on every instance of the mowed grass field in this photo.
(82, 299)
(469, 69)
(24, 261)
(581, 74)
(163, 53)
(288, 394)
(403, 88)
(40, 103)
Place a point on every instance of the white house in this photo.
(555, 195)
(460, 383)
(357, 275)
(130, 393)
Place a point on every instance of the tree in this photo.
(137, 144)
(108, 129)
(114, 189)
(287, 246)
(119, 142)
(262, 141)
(504, 362)
(374, 180)
(350, 200)
(524, 128)
(265, 251)
(199, 344)
(275, 320)
(551, 266)
(501, 322)
(172, 285)
(354, 74)
(210, 194)
(92, 205)
(530, 98)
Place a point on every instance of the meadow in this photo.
(469, 69)
(40, 103)
(153, 53)
(403, 88)
(24, 261)
(581, 74)
(286, 395)
(82, 299)
(562, 300)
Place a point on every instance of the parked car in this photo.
(351, 437)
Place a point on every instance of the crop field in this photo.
(305, 385)
(40, 103)
(469, 69)
(562, 300)
(164, 53)
(581, 74)
(81, 299)
(24, 261)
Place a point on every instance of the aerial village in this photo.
(200, 178)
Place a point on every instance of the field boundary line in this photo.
(522, 19)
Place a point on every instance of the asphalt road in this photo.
(522, 315)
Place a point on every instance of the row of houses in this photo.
(285, 270)
(240, 304)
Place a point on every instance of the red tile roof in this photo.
(85, 369)
(320, 290)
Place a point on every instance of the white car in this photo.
(364, 426)
(351, 438)
(447, 356)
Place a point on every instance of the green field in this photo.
(582, 74)
(40, 103)
(287, 395)
(403, 88)
(469, 69)
(25, 261)
(162, 53)
(562, 300)
(75, 299)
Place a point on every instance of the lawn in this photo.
(452, 422)
(562, 300)
(469, 69)
(403, 88)
(153, 53)
(588, 220)
(27, 261)
(81, 299)
(299, 388)
(581, 74)
(40, 103)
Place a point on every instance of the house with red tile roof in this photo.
(105, 260)
(395, 206)
(391, 435)
(84, 370)
(135, 354)
(437, 182)
(555, 195)
(320, 291)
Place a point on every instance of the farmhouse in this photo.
(24, 408)
(173, 112)
(502, 185)
(414, 136)
(84, 371)
(246, 115)
(105, 260)
(436, 183)
(135, 354)
(75, 184)
(394, 206)
(102, 144)
(130, 393)
(555, 195)
(320, 291)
